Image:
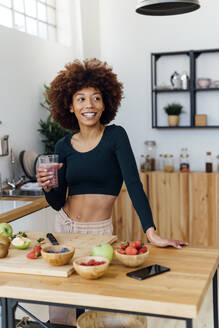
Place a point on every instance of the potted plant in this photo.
(173, 111)
(51, 130)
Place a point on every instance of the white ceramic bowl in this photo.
(204, 82)
(216, 83)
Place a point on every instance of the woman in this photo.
(94, 160)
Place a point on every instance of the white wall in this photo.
(113, 31)
(127, 39)
(26, 63)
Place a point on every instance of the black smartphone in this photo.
(147, 272)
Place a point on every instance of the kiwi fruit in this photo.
(3, 250)
(5, 240)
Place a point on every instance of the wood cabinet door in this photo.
(204, 208)
(184, 206)
(169, 199)
(126, 223)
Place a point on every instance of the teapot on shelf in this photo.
(176, 81)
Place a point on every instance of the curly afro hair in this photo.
(76, 76)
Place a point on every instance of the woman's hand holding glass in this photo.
(44, 177)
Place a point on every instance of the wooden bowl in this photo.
(90, 272)
(57, 259)
(131, 260)
(110, 320)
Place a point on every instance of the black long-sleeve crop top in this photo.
(100, 171)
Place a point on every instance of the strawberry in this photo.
(33, 255)
(91, 262)
(124, 244)
(138, 244)
(37, 249)
(133, 245)
(131, 250)
(121, 251)
(143, 250)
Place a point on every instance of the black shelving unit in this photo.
(192, 90)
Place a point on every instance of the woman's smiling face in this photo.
(87, 106)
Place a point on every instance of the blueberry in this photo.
(64, 250)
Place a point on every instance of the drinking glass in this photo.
(50, 163)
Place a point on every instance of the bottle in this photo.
(151, 153)
(184, 160)
(208, 162)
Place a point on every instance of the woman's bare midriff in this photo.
(89, 207)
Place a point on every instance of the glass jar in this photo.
(161, 162)
(208, 162)
(217, 163)
(142, 162)
(184, 160)
(150, 151)
(168, 163)
(146, 164)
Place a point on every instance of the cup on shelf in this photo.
(50, 163)
(204, 82)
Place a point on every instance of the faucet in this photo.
(14, 183)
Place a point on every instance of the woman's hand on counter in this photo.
(159, 241)
(44, 177)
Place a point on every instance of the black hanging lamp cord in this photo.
(166, 7)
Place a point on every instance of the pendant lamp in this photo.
(166, 7)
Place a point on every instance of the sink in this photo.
(9, 205)
(22, 193)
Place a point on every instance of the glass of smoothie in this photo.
(50, 163)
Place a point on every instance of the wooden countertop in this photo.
(179, 292)
(36, 204)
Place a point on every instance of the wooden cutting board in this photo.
(17, 262)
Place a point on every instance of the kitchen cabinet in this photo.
(189, 95)
(125, 219)
(184, 205)
(42, 220)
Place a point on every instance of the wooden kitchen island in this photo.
(177, 294)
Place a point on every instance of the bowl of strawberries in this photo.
(132, 254)
(91, 267)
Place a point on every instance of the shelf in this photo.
(170, 90)
(192, 91)
(206, 89)
(187, 127)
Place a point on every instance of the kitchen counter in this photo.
(178, 293)
(34, 204)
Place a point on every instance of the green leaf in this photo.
(51, 131)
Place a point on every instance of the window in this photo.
(36, 17)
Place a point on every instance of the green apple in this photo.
(6, 229)
(21, 242)
(103, 250)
